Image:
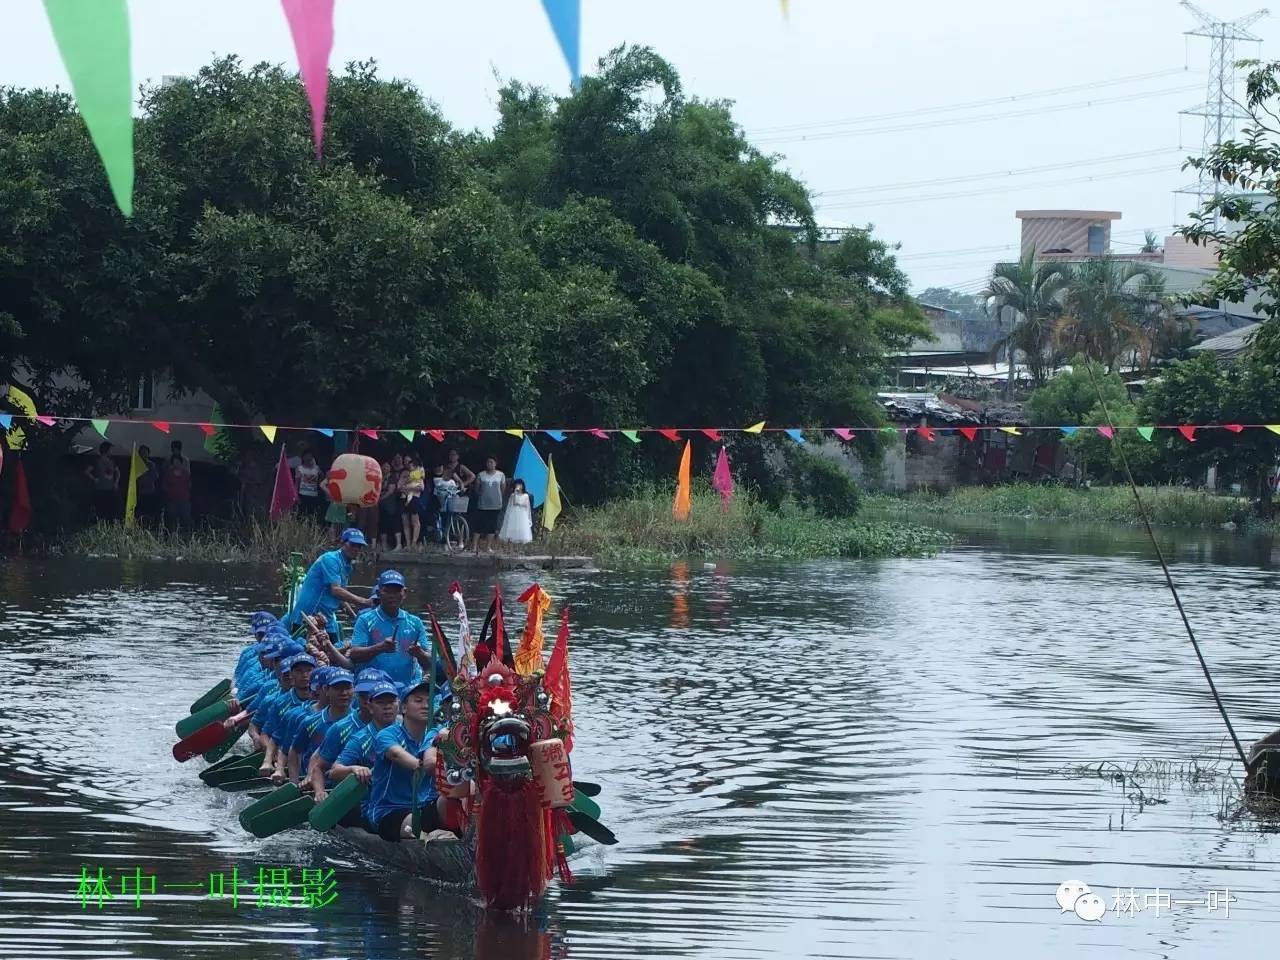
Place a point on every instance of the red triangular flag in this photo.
(473, 434)
(161, 425)
(20, 511)
(597, 432)
(556, 682)
(672, 435)
(926, 433)
(498, 643)
(1106, 432)
(436, 435)
(1188, 432)
(1233, 427)
(371, 434)
(969, 433)
(711, 434)
(208, 429)
(285, 494)
(843, 433)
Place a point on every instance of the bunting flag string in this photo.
(1192, 432)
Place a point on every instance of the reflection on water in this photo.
(833, 759)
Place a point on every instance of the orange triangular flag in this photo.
(684, 485)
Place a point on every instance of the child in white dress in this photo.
(517, 523)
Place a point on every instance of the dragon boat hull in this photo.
(444, 860)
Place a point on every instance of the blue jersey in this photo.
(336, 737)
(248, 660)
(392, 787)
(314, 596)
(266, 703)
(279, 708)
(287, 722)
(374, 626)
(309, 734)
(358, 751)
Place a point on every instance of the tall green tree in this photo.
(1027, 295)
(1111, 309)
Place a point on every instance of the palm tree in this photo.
(1030, 295)
(1110, 307)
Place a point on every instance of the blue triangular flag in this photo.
(556, 435)
(796, 435)
(326, 431)
(532, 469)
(1068, 430)
(566, 21)
(6, 420)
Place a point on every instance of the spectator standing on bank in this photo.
(149, 502)
(177, 489)
(309, 475)
(490, 486)
(105, 477)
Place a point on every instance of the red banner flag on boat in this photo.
(441, 646)
(722, 480)
(1188, 432)
(285, 494)
(556, 683)
(926, 433)
(684, 485)
(969, 433)
(20, 511)
(843, 433)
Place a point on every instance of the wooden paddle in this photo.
(221, 750)
(342, 799)
(206, 738)
(584, 804)
(282, 795)
(281, 817)
(217, 692)
(231, 768)
(211, 714)
(592, 827)
(251, 782)
(587, 787)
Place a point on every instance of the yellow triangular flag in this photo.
(515, 432)
(268, 431)
(1274, 427)
(137, 467)
(551, 505)
(754, 428)
(684, 486)
(1012, 430)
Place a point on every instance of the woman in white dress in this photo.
(517, 524)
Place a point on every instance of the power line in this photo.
(1005, 246)
(931, 124)
(948, 108)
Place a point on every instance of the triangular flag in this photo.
(528, 655)
(93, 39)
(1274, 427)
(1068, 430)
(597, 432)
(795, 435)
(631, 435)
(47, 421)
(101, 426)
(285, 493)
(710, 434)
(1146, 433)
(311, 23)
(161, 425)
(566, 23)
(969, 433)
(1106, 432)
(20, 507)
(473, 434)
(556, 683)
(1011, 430)
(268, 431)
(754, 428)
(1189, 432)
(551, 502)
(6, 420)
(371, 434)
(672, 435)
(722, 480)
(436, 435)
(926, 433)
(407, 434)
(888, 429)
(324, 431)
(514, 431)
(1233, 427)
(556, 435)
(137, 467)
(532, 469)
(208, 429)
(842, 433)
(684, 485)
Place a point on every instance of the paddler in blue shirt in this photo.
(324, 588)
(357, 759)
(336, 694)
(298, 680)
(388, 637)
(339, 733)
(400, 751)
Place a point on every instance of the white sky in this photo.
(834, 60)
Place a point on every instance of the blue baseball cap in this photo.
(370, 677)
(390, 578)
(381, 688)
(319, 678)
(337, 675)
(301, 660)
(354, 535)
(262, 619)
(291, 648)
(408, 688)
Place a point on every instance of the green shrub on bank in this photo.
(819, 484)
(1168, 506)
(256, 542)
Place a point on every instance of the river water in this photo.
(884, 760)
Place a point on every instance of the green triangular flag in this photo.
(93, 39)
(407, 434)
(101, 426)
(630, 435)
(888, 429)
(1146, 433)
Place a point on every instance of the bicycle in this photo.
(457, 532)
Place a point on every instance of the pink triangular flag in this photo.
(1106, 432)
(311, 23)
(47, 421)
(843, 433)
(371, 434)
(285, 494)
(969, 433)
(597, 432)
(1188, 432)
(722, 480)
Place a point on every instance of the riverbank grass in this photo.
(1167, 506)
(257, 542)
(641, 530)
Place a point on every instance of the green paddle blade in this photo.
(221, 764)
(238, 769)
(216, 693)
(587, 787)
(251, 782)
(285, 794)
(220, 751)
(342, 799)
(584, 804)
(285, 816)
(214, 713)
(592, 827)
